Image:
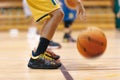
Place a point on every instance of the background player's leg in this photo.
(67, 33)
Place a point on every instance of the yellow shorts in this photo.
(42, 8)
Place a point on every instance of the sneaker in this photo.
(43, 62)
(51, 54)
(70, 39)
(54, 45)
(67, 38)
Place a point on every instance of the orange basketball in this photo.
(71, 3)
(91, 43)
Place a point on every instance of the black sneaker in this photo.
(54, 45)
(67, 38)
(70, 39)
(43, 62)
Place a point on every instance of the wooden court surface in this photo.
(15, 51)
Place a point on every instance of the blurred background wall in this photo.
(99, 14)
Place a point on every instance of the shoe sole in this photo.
(43, 67)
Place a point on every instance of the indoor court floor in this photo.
(15, 51)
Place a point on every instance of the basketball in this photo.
(91, 43)
(71, 4)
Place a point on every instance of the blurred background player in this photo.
(51, 11)
(32, 31)
(116, 9)
(69, 17)
(32, 26)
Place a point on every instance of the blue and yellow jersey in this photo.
(42, 8)
(69, 14)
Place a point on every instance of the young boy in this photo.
(32, 31)
(69, 17)
(51, 11)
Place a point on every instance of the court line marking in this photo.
(65, 73)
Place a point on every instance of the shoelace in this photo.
(50, 53)
(46, 57)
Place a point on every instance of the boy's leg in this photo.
(49, 28)
(39, 59)
(51, 24)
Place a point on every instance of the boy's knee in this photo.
(60, 13)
